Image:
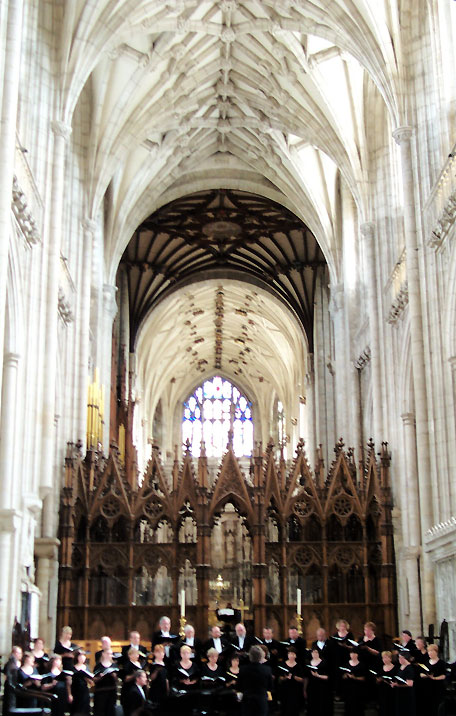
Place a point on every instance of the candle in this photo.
(298, 602)
(182, 602)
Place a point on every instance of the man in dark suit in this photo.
(216, 641)
(299, 644)
(254, 682)
(164, 636)
(272, 644)
(135, 639)
(242, 642)
(322, 643)
(195, 644)
(135, 700)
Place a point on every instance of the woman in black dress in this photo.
(158, 681)
(290, 679)
(433, 681)
(420, 663)
(384, 679)
(66, 648)
(25, 675)
(186, 679)
(81, 683)
(340, 645)
(213, 680)
(316, 687)
(58, 682)
(370, 647)
(404, 691)
(354, 684)
(41, 658)
(105, 689)
(231, 705)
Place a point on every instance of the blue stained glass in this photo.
(215, 407)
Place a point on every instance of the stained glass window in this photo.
(215, 407)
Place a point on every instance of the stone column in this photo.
(451, 421)
(124, 331)
(10, 522)
(109, 312)
(403, 136)
(61, 135)
(89, 227)
(7, 425)
(368, 237)
(310, 410)
(336, 308)
(10, 90)
(410, 509)
(46, 552)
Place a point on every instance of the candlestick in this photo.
(182, 622)
(182, 605)
(298, 601)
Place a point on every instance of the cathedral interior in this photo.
(226, 231)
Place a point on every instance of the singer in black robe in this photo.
(105, 689)
(317, 689)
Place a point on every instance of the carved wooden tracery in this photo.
(123, 546)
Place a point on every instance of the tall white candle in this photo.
(298, 601)
(182, 602)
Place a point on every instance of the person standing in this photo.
(81, 683)
(404, 687)
(105, 680)
(317, 690)
(254, 682)
(290, 677)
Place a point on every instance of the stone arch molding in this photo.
(247, 124)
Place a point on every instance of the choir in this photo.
(240, 676)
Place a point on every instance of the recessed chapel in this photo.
(227, 314)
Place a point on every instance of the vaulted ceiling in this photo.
(270, 96)
(270, 100)
(225, 234)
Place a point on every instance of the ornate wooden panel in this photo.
(125, 546)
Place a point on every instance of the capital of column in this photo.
(47, 547)
(9, 520)
(408, 418)
(402, 134)
(10, 360)
(89, 225)
(61, 129)
(411, 552)
(367, 230)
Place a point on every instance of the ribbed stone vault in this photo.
(270, 96)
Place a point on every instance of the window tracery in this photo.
(215, 408)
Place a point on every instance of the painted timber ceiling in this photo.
(225, 234)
